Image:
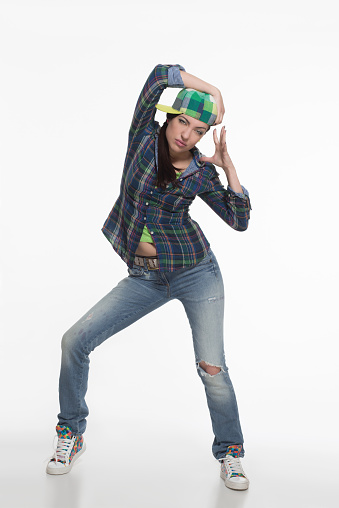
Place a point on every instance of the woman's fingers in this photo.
(220, 107)
(219, 117)
(215, 137)
(223, 138)
(206, 159)
(223, 134)
(219, 143)
(222, 110)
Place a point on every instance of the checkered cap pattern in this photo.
(198, 105)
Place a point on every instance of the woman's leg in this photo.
(135, 296)
(202, 294)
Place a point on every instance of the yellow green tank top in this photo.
(146, 235)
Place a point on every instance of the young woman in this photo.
(167, 255)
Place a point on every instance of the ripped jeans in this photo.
(200, 290)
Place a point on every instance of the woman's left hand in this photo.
(221, 157)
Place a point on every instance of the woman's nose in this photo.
(185, 134)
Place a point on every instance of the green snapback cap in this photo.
(198, 105)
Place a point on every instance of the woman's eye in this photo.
(200, 133)
(181, 120)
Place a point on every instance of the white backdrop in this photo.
(71, 74)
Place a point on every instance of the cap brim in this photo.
(167, 109)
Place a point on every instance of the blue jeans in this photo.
(200, 290)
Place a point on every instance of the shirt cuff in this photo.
(239, 194)
(174, 77)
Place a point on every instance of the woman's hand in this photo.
(221, 157)
(220, 106)
(223, 160)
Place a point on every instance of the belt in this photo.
(151, 262)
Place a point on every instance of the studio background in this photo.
(71, 75)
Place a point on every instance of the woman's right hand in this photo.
(220, 106)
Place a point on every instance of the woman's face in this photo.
(183, 132)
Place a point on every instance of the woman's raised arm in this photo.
(160, 78)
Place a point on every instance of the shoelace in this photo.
(63, 449)
(234, 464)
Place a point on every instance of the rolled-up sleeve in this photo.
(174, 77)
(242, 194)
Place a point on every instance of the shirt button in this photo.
(151, 192)
(144, 218)
(152, 232)
(180, 179)
(147, 203)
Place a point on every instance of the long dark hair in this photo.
(166, 170)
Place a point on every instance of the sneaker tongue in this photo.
(234, 450)
(64, 432)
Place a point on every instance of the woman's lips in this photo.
(180, 143)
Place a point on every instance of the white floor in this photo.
(117, 472)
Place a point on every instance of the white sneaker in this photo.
(233, 474)
(68, 449)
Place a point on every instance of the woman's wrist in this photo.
(229, 168)
(232, 178)
(191, 81)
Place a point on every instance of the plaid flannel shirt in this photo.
(178, 239)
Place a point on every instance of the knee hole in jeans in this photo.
(212, 370)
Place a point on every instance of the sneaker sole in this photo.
(233, 485)
(65, 469)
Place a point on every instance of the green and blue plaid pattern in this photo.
(179, 240)
(198, 105)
